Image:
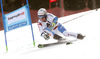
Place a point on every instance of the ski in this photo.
(55, 43)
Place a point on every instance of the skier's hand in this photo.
(52, 26)
(45, 35)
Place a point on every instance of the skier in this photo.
(49, 26)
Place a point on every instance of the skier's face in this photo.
(43, 19)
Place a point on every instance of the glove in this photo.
(52, 26)
(45, 35)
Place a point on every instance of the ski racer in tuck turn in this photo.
(49, 26)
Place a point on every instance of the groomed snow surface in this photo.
(20, 42)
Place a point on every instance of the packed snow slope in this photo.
(20, 40)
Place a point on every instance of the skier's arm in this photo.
(40, 27)
(44, 34)
(55, 20)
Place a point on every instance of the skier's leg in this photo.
(65, 32)
(53, 35)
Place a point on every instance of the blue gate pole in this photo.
(31, 24)
(3, 17)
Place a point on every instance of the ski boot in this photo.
(59, 38)
(80, 36)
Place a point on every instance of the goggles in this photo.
(41, 16)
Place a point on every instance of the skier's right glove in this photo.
(45, 35)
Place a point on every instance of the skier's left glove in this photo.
(52, 26)
(45, 35)
(54, 23)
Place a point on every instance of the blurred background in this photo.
(59, 8)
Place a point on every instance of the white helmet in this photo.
(42, 13)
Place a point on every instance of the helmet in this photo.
(42, 13)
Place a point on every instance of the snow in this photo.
(20, 42)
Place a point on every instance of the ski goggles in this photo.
(41, 16)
